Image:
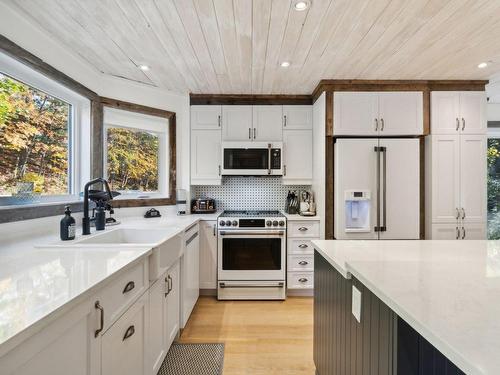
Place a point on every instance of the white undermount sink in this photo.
(126, 236)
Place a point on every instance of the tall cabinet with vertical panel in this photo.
(456, 171)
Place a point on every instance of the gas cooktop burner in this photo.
(248, 213)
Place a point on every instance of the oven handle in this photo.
(251, 233)
(277, 285)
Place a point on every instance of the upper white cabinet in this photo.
(206, 145)
(237, 123)
(267, 123)
(378, 113)
(297, 117)
(206, 117)
(297, 152)
(458, 112)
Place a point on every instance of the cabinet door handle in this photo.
(458, 233)
(215, 230)
(254, 132)
(302, 280)
(168, 287)
(130, 285)
(98, 306)
(219, 170)
(463, 213)
(458, 124)
(284, 124)
(463, 233)
(303, 263)
(458, 213)
(382, 124)
(129, 332)
(463, 124)
(376, 124)
(249, 133)
(303, 229)
(303, 246)
(284, 170)
(170, 283)
(219, 120)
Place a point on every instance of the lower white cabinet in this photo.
(459, 231)
(208, 254)
(190, 272)
(173, 303)
(157, 332)
(300, 258)
(124, 345)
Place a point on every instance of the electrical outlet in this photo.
(356, 303)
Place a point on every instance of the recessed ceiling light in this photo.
(301, 5)
(144, 68)
(285, 64)
(482, 65)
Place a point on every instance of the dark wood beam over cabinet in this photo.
(216, 99)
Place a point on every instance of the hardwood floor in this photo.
(261, 337)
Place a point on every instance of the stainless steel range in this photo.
(251, 255)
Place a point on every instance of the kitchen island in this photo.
(426, 307)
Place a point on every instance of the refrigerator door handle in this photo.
(377, 150)
(383, 228)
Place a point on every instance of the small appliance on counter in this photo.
(203, 206)
(181, 201)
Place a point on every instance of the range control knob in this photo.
(228, 223)
(282, 223)
(269, 223)
(235, 223)
(222, 223)
(275, 223)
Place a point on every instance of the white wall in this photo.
(319, 158)
(29, 36)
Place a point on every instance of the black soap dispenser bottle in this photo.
(68, 225)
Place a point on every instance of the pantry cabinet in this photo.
(458, 112)
(206, 130)
(456, 167)
(208, 254)
(378, 113)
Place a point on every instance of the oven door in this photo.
(251, 255)
(251, 159)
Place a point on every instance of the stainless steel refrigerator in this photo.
(377, 188)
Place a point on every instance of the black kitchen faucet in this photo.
(108, 196)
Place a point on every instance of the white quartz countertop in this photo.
(448, 291)
(36, 283)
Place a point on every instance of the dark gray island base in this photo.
(380, 344)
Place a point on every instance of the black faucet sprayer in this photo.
(86, 219)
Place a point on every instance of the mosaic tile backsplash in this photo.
(248, 193)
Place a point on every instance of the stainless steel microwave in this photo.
(252, 158)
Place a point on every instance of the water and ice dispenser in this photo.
(357, 210)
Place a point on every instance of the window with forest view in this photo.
(132, 159)
(34, 141)
(494, 188)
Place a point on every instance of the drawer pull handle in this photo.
(302, 280)
(303, 246)
(129, 332)
(303, 229)
(101, 310)
(303, 263)
(130, 285)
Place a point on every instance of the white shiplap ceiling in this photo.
(236, 46)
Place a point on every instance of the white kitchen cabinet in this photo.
(297, 117)
(267, 123)
(297, 157)
(459, 231)
(173, 301)
(67, 345)
(237, 123)
(206, 117)
(205, 157)
(378, 113)
(458, 112)
(208, 254)
(355, 113)
(401, 113)
(158, 332)
(124, 345)
(190, 272)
